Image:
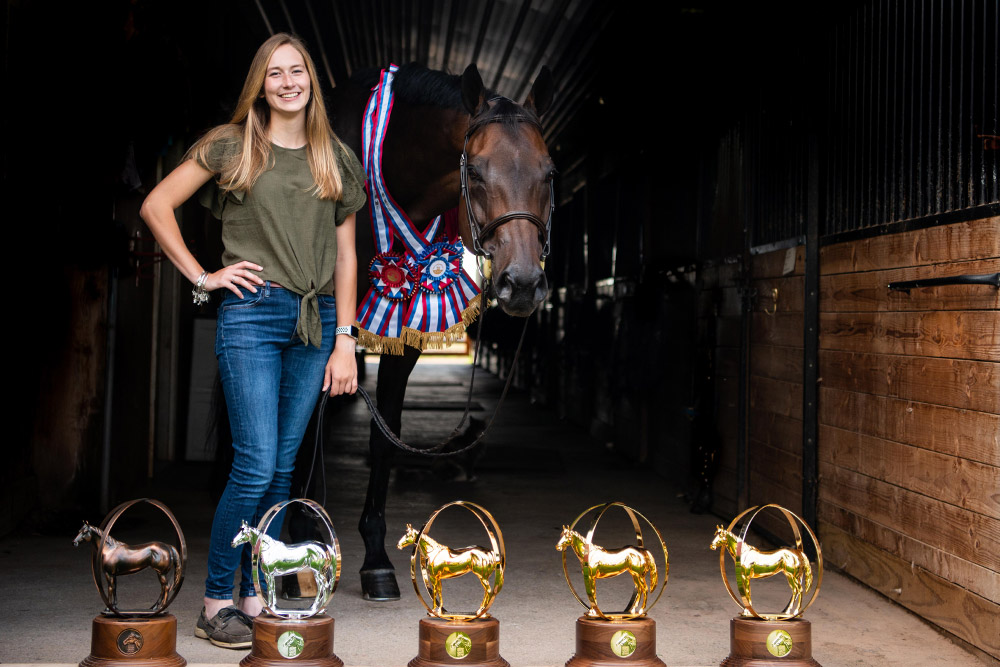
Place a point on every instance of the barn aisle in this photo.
(537, 474)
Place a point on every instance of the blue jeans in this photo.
(271, 382)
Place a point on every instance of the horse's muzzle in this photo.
(520, 288)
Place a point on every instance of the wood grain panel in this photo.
(727, 362)
(964, 433)
(763, 490)
(961, 612)
(954, 334)
(784, 329)
(782, 433)
(970, 385)
(782, 398)
(771, 264)
(778, 363)
(781, 467)
(963, 533)
(952, 479)
(978, 579)
(790, 294)
(869, 291)
(839, 447)
(978, 239)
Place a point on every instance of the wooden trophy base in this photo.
(134, 642)
(601, 643)
(480, 646)
(277, 640)
(790, 643)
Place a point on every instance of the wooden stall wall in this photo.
(909, 440)
(774, 442)
(719, 339)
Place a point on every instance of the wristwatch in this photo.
(351, 331)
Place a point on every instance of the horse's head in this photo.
(86, 533)
(719, 539)
(507, 190)
(565, 540)
(409, 537)
(245, 535)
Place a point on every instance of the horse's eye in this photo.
(474, 174)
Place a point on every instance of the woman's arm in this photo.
(341, 376)
(158, 212)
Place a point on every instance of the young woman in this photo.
(286, 191)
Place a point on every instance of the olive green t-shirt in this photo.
(282, 226)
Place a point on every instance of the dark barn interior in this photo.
(739, 184)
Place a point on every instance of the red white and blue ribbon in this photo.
(419, 296)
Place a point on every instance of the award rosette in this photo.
(448, 637)
(134, 636)
(759, 638)
(610, 637)
(285, 632)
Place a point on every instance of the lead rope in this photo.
(435, 451)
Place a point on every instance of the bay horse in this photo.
(276, 559)
(442, 562)
(437, 119)
(600, 563)
(751, 563)
(119, 558)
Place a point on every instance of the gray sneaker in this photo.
(230, 628)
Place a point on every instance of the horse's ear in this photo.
(473, 91)
(540, 98)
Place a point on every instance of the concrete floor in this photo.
(537, 475)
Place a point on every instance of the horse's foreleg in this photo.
(378, 579)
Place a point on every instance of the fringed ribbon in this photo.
(421, 297)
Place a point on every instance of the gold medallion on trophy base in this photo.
(282, 635)
(610, 638)
(766, 639)
(125, 637)
(456, 638)
(278, 641)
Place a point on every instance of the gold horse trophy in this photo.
(303, 633)
(134, 636)
(471, 637)
(604, 637)
(758, 638)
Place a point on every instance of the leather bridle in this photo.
(483, 231)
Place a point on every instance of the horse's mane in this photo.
(417, 85)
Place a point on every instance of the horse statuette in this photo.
(599, 563)
(275, 558)
(118, 558)
(439, 562)
(752, 563)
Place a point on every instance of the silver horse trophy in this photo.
(284, 632)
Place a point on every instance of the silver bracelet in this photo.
(199, 293)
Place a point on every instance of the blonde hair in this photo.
(248, 127)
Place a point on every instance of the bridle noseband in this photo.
(483, 231)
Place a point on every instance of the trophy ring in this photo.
(324, 559)
(632, 610)
(795, 573)
(97, 564)
(491, 575)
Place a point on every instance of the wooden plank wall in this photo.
(719, 326)
(774, 458)
(909, 440)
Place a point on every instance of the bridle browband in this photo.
(483, 231)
